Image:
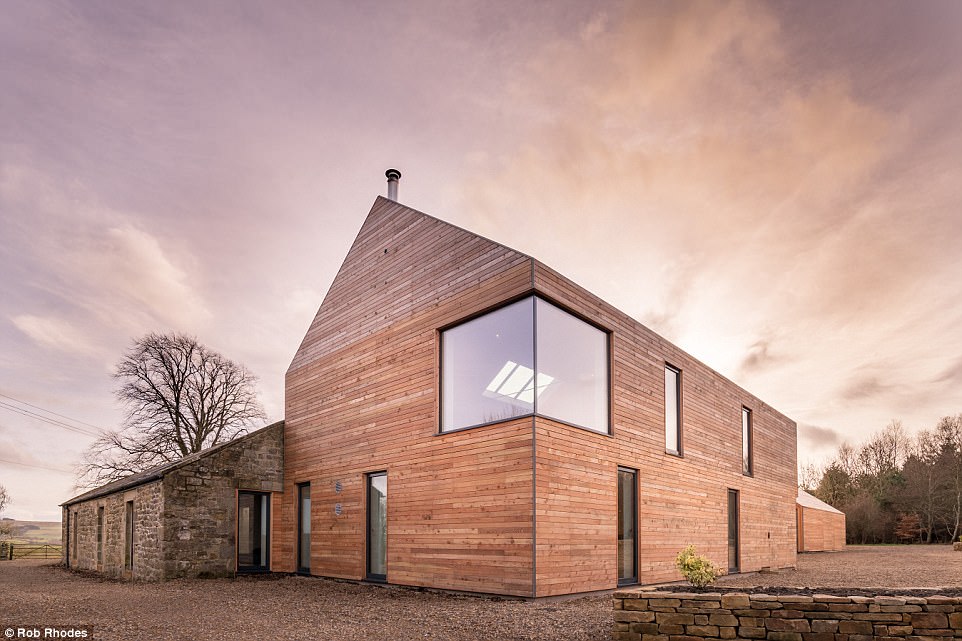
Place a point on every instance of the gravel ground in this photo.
(288, 607)
(34, 593)
(866, 566)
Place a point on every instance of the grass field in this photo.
(35, 531)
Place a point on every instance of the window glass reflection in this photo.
(572, 369)
(491, 371)
(488, 368)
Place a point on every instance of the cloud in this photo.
(863, 387)
(952, 373)
(99, 267)
(132, 273)
(759, 357)
(819, 437)
(53, 333)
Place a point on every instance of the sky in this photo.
(775, 187)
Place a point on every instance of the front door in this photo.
(304, 528)
(733, 560)
(377, 526)
(253, 531)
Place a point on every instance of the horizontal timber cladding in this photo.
(820, 530)
(524, 507)
(681, 499)
(362, 397)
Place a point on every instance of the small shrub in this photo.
(697, 570)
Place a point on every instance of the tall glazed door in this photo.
(733, 557)
(377, 526)
(627, 527)
(304, 528)
(253, 531)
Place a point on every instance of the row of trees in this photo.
(897, 487)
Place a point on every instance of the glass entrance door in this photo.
(304, 528)
(627, 526)
(377, 526)
(253, 532)
(733, 560)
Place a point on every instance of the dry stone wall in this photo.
(661, 616)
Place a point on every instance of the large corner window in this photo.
(529, 357)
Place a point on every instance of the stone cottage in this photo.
(207, 514)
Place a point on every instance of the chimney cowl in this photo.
(393, 176)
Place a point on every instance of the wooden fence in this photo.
(11, 551)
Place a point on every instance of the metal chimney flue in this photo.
(393, 176)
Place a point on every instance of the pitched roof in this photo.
(155, 473)
(807, 500)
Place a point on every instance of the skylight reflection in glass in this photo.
(489, 373)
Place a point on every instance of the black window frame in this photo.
(680, 450)
(734, 507)
(634, 580)
(266, 565)
(748, 434)
(534, 329)
(301, 568)
(368, 575)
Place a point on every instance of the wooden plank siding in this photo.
(681, 499)
(361, 396)
(526, 507)
(820, 530)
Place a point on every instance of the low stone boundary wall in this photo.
(643, 615)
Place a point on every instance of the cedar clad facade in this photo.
(385, 479)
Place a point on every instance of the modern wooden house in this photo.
(461, 416)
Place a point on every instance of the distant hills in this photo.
(35, 531)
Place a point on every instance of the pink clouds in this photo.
(774, 186)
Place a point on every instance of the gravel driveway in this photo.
(290, 607)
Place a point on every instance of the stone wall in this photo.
(660, 616)
(200, 502)
(108, 556)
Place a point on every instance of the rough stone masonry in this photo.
(642, 615)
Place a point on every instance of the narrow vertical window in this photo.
(129, 536)
(377, 526)
(672, 410)
(304, 528)
(627, 527)
(75, 530)
(100, 534)
(747, 437)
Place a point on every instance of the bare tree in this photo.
(180, 397)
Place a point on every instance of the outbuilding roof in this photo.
(155, 473)
(807, 500)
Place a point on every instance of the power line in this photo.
(42, 409)
(47, 419)
(39, 467)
